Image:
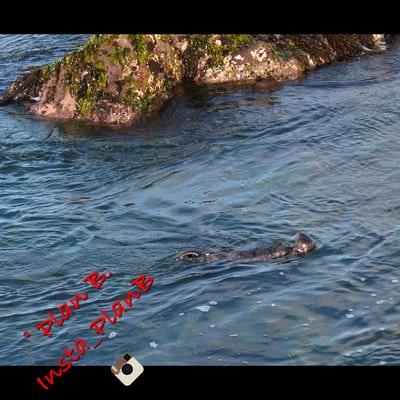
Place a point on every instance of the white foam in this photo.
(112, 334)
(154, 345)
(233, 335)
(349, 316)
(203, 308)
(181, 314)
(213, 303)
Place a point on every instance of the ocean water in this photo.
(220, 167)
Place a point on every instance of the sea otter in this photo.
(303, 244)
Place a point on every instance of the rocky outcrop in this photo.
(117, 79)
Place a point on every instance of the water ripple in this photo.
(220, 168)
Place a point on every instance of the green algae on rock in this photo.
(117, 79)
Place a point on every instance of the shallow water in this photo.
(218, 168)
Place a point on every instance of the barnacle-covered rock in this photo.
(117, 79)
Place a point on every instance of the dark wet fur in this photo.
(304, 244)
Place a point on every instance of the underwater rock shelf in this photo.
(118, 79)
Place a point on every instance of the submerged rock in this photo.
(117, 79)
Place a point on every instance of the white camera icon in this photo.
(127, 369)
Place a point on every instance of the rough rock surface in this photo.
(117, 79)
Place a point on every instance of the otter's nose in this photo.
(304, 247)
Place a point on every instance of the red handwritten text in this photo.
(95, 279)
(80, 346)
(117, 308)
(65, 311)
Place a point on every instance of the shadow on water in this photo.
(185, 100)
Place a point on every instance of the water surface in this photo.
(220, 168)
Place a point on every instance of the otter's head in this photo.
(304, 244)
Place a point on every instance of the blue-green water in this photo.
(222, 168)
